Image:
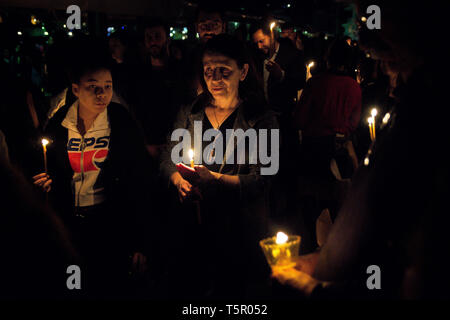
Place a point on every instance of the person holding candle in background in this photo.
(396, 214)
(233, 207)
(328, 113)
(97, 178)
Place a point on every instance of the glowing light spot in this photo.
(281, 238)
(272, 25)
(366, 161)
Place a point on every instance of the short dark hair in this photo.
(157, 22)
(264, 25)
(209, 7)
(339, 54)
(287, 25)
(97, 58)
(122, 36)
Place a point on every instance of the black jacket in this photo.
(282, 94)
(126, 171)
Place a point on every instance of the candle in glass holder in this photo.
(281, 249)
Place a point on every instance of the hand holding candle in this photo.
(43, 180)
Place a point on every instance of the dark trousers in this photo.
(101, 241)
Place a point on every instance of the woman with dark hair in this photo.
(233, 194)
(97, 179)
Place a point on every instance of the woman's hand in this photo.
(299, 276)
(43, 181)
(205, 176)
(296, 279)
(185, 189)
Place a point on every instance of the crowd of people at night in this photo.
(105, 194)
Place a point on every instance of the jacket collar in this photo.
(71, 119)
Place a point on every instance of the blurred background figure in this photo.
(327, 115)
(158, 87)
(288, 31)
(209, 21)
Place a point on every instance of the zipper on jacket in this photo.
(81, 169)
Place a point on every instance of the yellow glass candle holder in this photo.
(281, 254)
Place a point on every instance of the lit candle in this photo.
(370, 121)
(308, 70)
(191, 157)
(44, 146)
(374, 113)
(280, 250)
(272, 39)
(281, 238)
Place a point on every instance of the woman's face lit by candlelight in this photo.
(94, 91)
(222, 75)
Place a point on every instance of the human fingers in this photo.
(41, 181)
(186, 187)
(40, 176)
(48, 185)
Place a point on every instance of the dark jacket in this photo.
(252, 184)
(233, 220)
(282, 95)
(127, 179)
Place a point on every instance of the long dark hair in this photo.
(250, 90)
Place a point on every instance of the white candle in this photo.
(191, 157)
(45, 142)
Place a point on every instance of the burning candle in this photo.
(308, 70)
(45, 142)
(370, 121)
(374, 113)
(281, 238)
(272, 38)
(191, 157)
(280, 250)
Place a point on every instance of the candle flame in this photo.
(281, 238)
(366, 161)
(191, 154)
(374, 112)
(272, 25)
(386, 118)
(370, 120)
(311, 64)
(45, 142)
